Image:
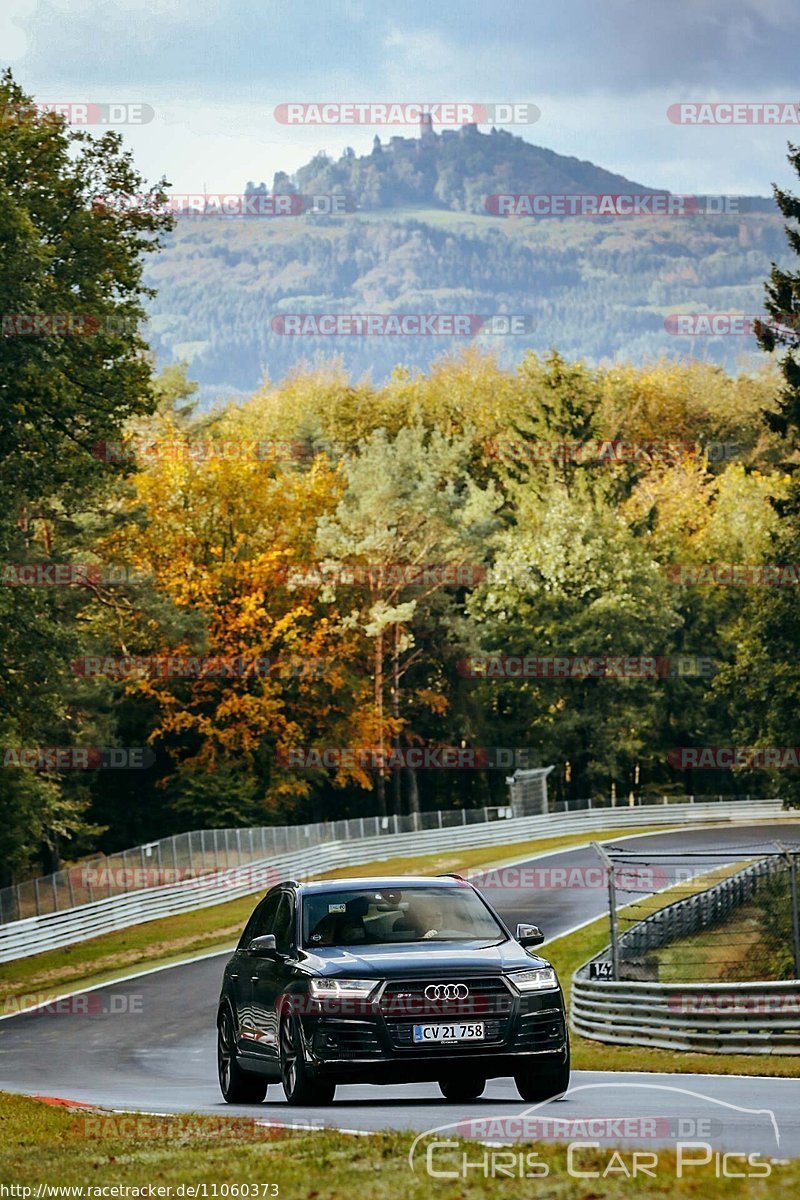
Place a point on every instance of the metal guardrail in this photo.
(20, 939)
(758, 1017)
(732, 1018)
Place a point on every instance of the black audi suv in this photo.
(393, 980)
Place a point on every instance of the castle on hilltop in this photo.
(427, 134)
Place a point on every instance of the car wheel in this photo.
(299, 1085)
(237, 1086)
(543, 1079)
(462, 1087)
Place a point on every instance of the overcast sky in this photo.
(602, 72)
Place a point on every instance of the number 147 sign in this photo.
(601, 970)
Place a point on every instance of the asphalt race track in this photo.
(148, 1044)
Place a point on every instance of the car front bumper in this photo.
(375, 1045)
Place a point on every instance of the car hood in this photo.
(432, 958)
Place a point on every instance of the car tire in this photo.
(543, 1079)
(299, 1085)
(462, 1087)
(237, 1086)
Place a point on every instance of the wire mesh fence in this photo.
(730, 923)
(203, 852)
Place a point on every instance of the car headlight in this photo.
(535, 980)
(331, 989)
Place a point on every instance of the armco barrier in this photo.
(20, 939)
(715, 1018)
(759, 1017)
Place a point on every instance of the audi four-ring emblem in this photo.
(446, 991)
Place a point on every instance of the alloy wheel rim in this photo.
(288, 1058)
(225, 1052)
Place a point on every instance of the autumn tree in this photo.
(409, 505)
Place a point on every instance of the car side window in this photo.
(262, 920)
(284, 924)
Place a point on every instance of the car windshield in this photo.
(353, 916)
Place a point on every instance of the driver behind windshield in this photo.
(424, 920)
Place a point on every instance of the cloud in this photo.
(14, 16)
(602, 71)
(355, 48)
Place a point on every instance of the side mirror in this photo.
(529, 935)
(263, 945)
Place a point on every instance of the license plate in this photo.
(451, 1032)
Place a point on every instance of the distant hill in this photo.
(422, 242)
(456, 170)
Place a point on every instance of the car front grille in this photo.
(404, 1004)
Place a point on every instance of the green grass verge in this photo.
(753, 942)
(731, 950)
(41, 1144)
(158, 943)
